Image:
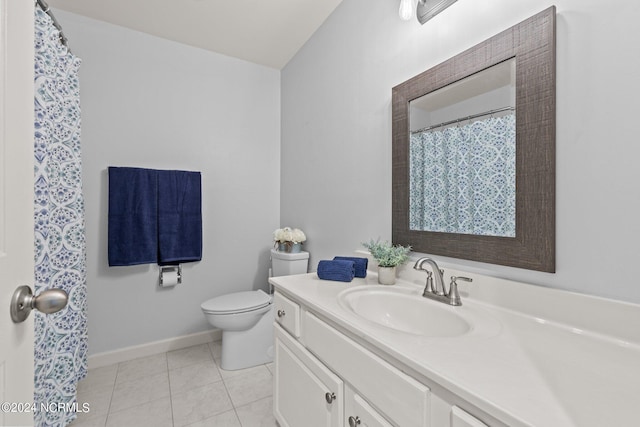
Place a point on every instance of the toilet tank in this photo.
(285, 264)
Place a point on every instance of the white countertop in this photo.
(549, 366)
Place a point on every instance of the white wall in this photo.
(336, 130)
(148, 102)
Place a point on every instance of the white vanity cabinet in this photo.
(310, 384)
(324, 378)
(520, 363)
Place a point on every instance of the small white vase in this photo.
(386, 275)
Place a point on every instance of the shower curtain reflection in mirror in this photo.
(463, 178)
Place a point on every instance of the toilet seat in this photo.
(237, 302)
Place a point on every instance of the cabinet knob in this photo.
(354, 421)
(329, 397)
(281, 313)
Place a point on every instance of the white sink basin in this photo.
(404, 310)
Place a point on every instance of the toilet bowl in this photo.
(246, 318)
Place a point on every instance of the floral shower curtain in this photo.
(463, 178)
(60, 252)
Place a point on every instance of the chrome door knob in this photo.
(23, 301)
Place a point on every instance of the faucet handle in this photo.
(454, 296)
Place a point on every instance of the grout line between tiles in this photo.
(166, 359)
(113, 390)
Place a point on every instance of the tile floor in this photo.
(179, 388)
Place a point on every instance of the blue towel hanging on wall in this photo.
(155, 216)
(133, 216)
(179, 217)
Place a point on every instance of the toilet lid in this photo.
(237, 302)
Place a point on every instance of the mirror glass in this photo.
(462, 155)
(467, 181)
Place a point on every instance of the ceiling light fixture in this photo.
(425, 9)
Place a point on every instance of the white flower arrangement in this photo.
(286, 234)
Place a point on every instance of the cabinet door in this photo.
(306, 393)
(460, 418)
(359, 413)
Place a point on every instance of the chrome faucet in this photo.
(437, 292)
(439, 285)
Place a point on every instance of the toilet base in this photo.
(244, 349)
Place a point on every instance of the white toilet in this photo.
(246, 318)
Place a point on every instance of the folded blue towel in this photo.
(179, 217)
(342, 271)
(133, 216)
(360, 264)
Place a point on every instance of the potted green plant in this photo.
(388, 257)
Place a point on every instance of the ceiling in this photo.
(263, 32)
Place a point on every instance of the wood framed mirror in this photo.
(531, 44)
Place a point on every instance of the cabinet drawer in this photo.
(403, 400)
(306, 393)
(287, 314)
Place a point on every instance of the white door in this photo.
(16, 205)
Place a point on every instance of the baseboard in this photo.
(128, 353)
